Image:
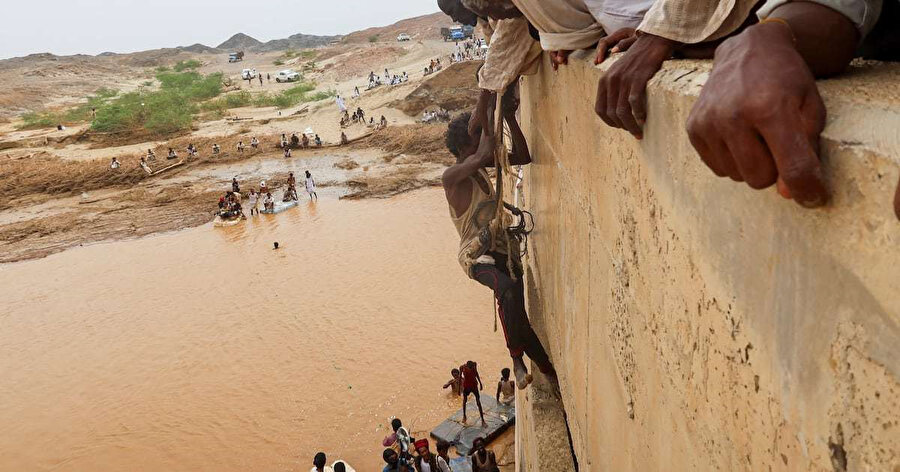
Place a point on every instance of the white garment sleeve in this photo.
(442, 464)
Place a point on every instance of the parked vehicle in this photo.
(445, 33)
(248, 74)
(403, 37)
(287, 75)
(457, 34)
(236, 56)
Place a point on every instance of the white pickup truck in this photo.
(403, 37)
(287, 75)
(248, 74)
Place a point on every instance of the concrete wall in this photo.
(700, 325)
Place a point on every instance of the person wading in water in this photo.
(473, 203)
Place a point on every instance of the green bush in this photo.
(33, 119)
(292, 96)
(225, 102)
(77, 114)
(278, 62)
(191, 64)
(167, 110)
(373, 39)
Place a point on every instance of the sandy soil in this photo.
(59, 191)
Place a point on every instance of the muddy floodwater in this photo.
(205, 349)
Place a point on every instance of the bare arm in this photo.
(520, 154)
(479, 119)
(483, 157)
(498, 391)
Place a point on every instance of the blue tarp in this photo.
(498, 417)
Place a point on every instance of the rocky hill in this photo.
(239, 41)
(297, 41)
(199, 49)
(420, 27)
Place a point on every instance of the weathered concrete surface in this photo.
(701, 325)
(542, 443)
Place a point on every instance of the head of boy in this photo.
(423, 449)
(320, 460)
(390, 456)
(478, 444)
(504, 374)
(396, 424)
(459, 143)
(455, 373)
(443, 447)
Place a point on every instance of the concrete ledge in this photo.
(542, 442)
(701, 325)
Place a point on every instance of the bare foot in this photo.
(484, 423)
(523, 378)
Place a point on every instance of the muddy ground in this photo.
(57, 190)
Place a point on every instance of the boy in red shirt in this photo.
(471, 383)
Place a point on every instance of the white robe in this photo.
(579, 24)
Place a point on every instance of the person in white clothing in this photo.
(253, 200)
(341, 466)
(114, 164)
(311, 186)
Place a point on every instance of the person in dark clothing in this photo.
(472, 206)
(483, 460)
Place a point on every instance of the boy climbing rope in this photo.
(485, 246)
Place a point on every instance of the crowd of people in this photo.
(433, 66)
(759, 115)
(303, 141)
(405, 453)
(376, 80)
(299, 142)
(472, 49)
(432, 116)
(230, 205)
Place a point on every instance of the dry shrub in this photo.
(455, 88)
(37, 228)
(425, 141)
(346, 164)
(55, 176)
(45, 174)
(383, 186)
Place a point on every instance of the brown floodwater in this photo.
(205, 349)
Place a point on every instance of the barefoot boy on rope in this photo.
(484, 252)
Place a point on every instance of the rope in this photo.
(501, 163)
